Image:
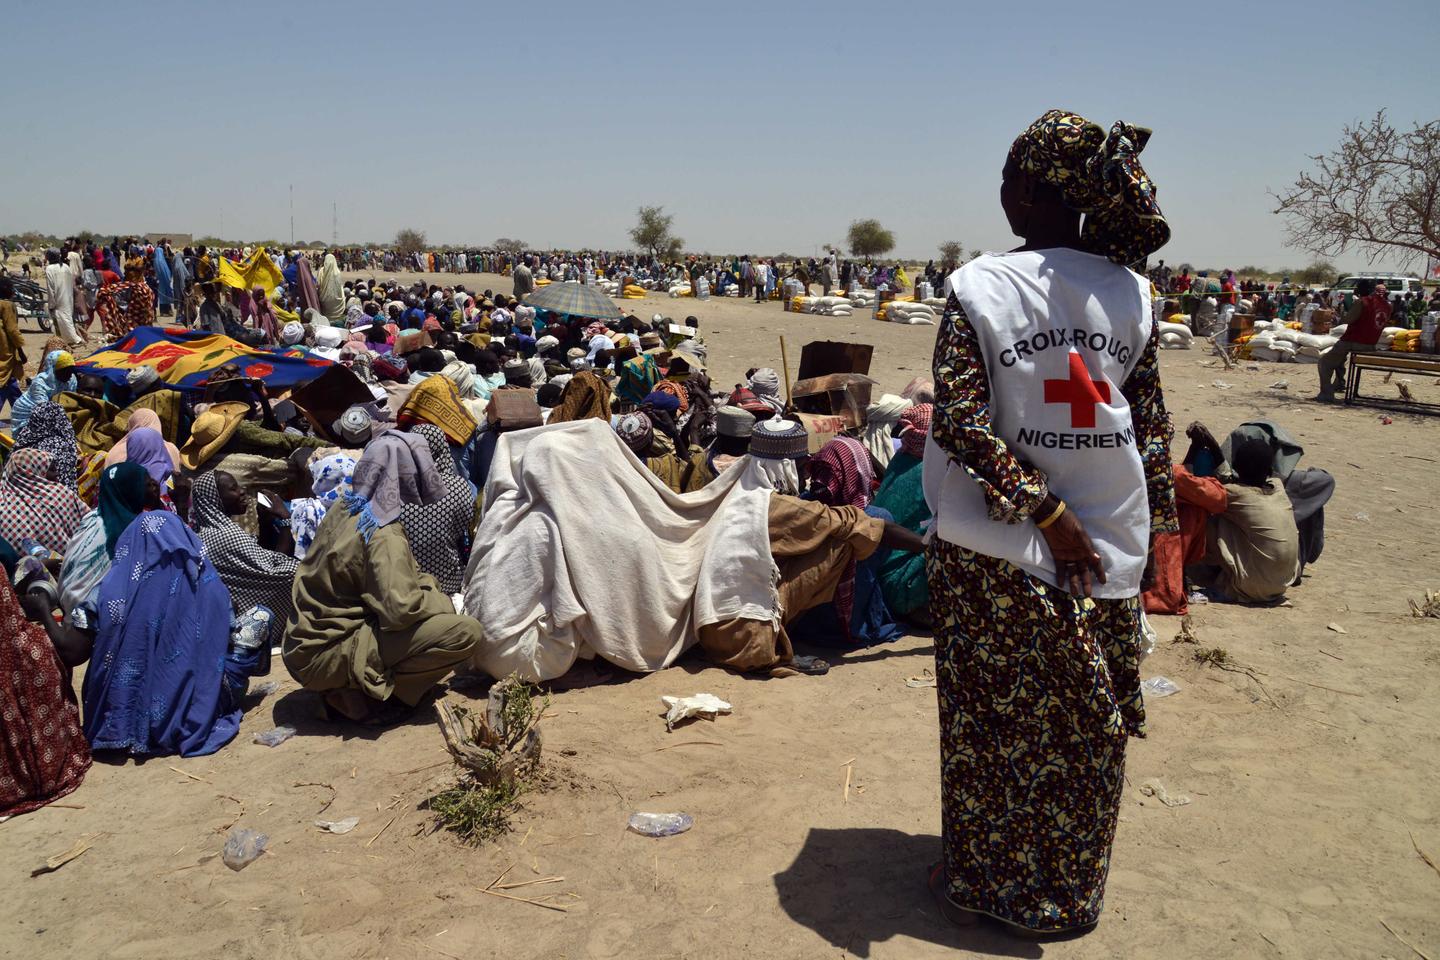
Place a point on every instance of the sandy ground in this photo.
(1311, 782)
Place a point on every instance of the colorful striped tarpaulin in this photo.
(184, 359)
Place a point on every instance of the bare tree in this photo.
(951, 253)
(409, 242)
(508, 245)
(1376, 193)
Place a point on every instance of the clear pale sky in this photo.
(761, 126)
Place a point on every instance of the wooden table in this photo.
(1423, 365)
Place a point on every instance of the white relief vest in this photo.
(1060, 332)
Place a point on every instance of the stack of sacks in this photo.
(1310, 347)
(800, 304)
(608, 287)
(1175, 336)
(1272, 342)
(542, 282)
(937, 302)
(1387, 337)
(862, 298)
(681, 290)
(899, 311)
(828, 306)
(1406, 341)
(633, 292)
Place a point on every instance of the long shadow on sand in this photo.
(862, 886)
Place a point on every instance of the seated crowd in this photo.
(171, 541)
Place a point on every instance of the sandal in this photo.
(810, 666)
(949, 909)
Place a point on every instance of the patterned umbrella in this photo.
(575, 299)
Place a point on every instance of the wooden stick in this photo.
(382, 830)
(692, 743)
(505, 896)
(428, 766)
(1329, 654)
(785, 368)
(238, 817)
(315, 783)
(1418, 952)
(190, 775)
(1423, 855)
(1321, 686)
(527, 883)
(497, 880)
(848, 770)
(54, 863)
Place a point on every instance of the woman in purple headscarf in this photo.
(148, 448)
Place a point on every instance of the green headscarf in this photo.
(122, 498)
(1099, 176)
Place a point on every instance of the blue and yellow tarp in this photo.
(184, 359)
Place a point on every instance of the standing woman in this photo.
(332, 291)
(1048, 470)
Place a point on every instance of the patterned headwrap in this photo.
(637, 431)
(1099, 176)
(682, 397)
(397, 469)
(49, 429)
(32, 505)
(913, 427)
(586, 396)
(841, 474)
(435, 400)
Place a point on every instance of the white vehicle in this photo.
(1395, 283)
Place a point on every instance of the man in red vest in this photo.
(1366, 317)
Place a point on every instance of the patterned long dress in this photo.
(1038, 690)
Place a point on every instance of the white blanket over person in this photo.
(583, 552)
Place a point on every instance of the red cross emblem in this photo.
(1080, 391)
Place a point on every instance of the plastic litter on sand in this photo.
(243, 847)
(1157, 687)
(338, 826)
(660, 824)
(273, 738)
(701, 704)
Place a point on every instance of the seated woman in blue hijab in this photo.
(156, 681)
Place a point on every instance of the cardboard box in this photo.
(820, 428)
(844, 395)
